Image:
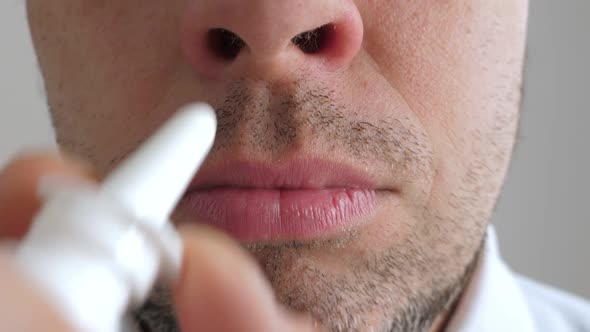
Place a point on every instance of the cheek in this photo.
(458, 66)
(96, 94)
(89, 47)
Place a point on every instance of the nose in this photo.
(264, 39)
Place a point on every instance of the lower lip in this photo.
(267, 215)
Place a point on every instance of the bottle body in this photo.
(90, 259)
(97, 251)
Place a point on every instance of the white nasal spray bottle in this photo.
(98, 251)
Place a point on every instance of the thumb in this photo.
(22, 307)
(222, 289)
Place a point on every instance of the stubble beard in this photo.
(400, 288)
(381, 293)
(374, 299)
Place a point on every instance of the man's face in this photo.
(359, 162)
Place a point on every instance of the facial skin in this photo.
(423, 96)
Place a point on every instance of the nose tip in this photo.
(261, 39)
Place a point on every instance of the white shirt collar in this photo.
(493, 300)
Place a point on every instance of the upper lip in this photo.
(291, 175)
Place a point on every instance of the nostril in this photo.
(316, 40)
(224, 44)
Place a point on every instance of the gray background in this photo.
(543, 217)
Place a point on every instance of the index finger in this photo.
(18, 188)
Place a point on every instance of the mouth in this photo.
(299, 200)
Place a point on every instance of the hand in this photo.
(220, 288)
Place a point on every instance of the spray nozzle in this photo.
(149, 184)
(152, 181)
